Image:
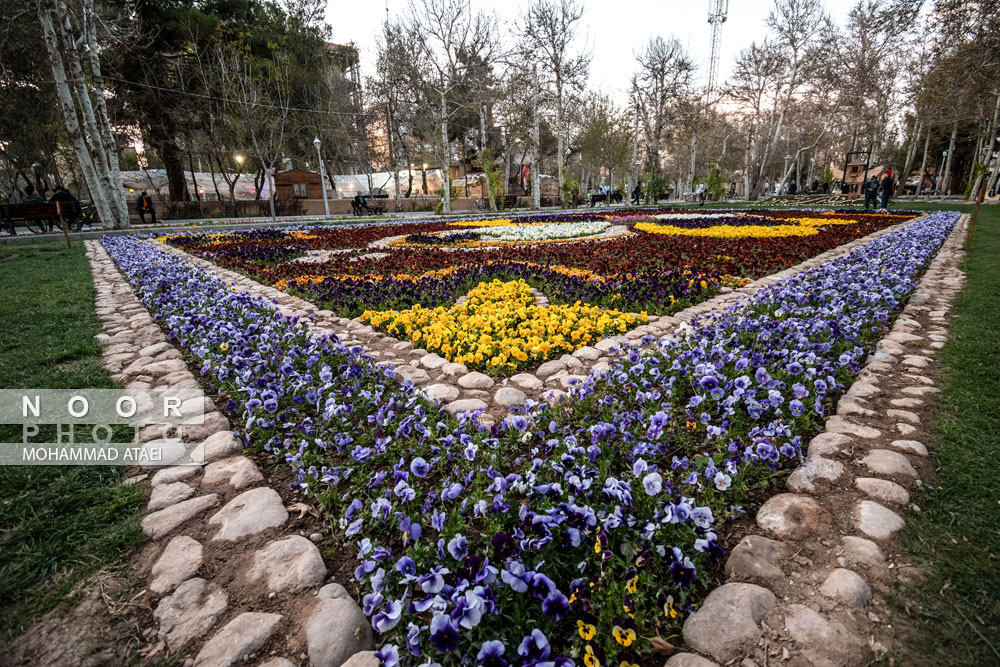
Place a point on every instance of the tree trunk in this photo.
(270, 190)
(991, 132)
(559, 140)
(536, 198)
(445, 158)
(946, 181)
(65, 96)
(483, 156)
(911, 153)
(107, 137)
(923, 162)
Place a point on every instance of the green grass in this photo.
(954, 606)
(58, 524)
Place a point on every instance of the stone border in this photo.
(205, 605)
(464, 391)
(801, 588)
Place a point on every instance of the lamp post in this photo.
(322, 177)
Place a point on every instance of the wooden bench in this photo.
(39, 212)
(372, 203)
(598, 199)
(509, 202)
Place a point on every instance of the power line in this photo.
(189, 93)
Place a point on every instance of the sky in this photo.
(614, 30)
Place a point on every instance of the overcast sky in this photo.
(613, 29)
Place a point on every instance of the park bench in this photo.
(509, 202)
(375, 207)
(36, 215)
(598, 199)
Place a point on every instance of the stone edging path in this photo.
(464, 391)
(800, 589)
(228, 579)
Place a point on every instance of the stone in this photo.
(887, 462)
(337, 629)
(689, 660)
(919, 391)
(175, 474)
(238, 639)
(848, 405)
(847, 587)
(476, 380)
(877, 521)
(509, 397)
(213, 423)
(362, 659)
(728, 622)
(883, 490)
(280, 662)
(526, 381)
(550, 368)
(829, 444)
(432, 361)
(906, 402)
(217, 446)
(286, 565)
(189, 612)
(158, 524)
(413, 374)
(840, 425)
(916, 361)
(587, 353)
(164, 495)
(155, 349)
(756, 558)
(792, 516)
(454, 370)
(402, 346)
(238, 472)
(904, 338)
(249, 513)
(906, 429)
(179, 561)
(610, 344)
(465, 405)
(863, 390)
(441, 392)
(859, 551)
(910, 447)
(824, 642)
(804, 478)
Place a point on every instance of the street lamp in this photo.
(239, 159)
(322, 176)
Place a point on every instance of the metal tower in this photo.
(718, 9)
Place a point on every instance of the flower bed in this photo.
(500, 326)
(507, 232)
(580, 533)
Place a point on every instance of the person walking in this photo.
(636, 194)
(144, 205)
(888, 189)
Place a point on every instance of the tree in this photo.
(660, 86)
(550, 28)
(446, 32)
(70, 36)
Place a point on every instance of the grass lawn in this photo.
(58, 524)
(955, 539)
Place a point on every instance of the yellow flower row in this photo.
(500, 326)
(729, 231)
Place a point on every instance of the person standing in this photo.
(888, 189)
(701, 194)
(870, 191)
(144, 205)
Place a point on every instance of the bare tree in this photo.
(550, 29)
(664, 77)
